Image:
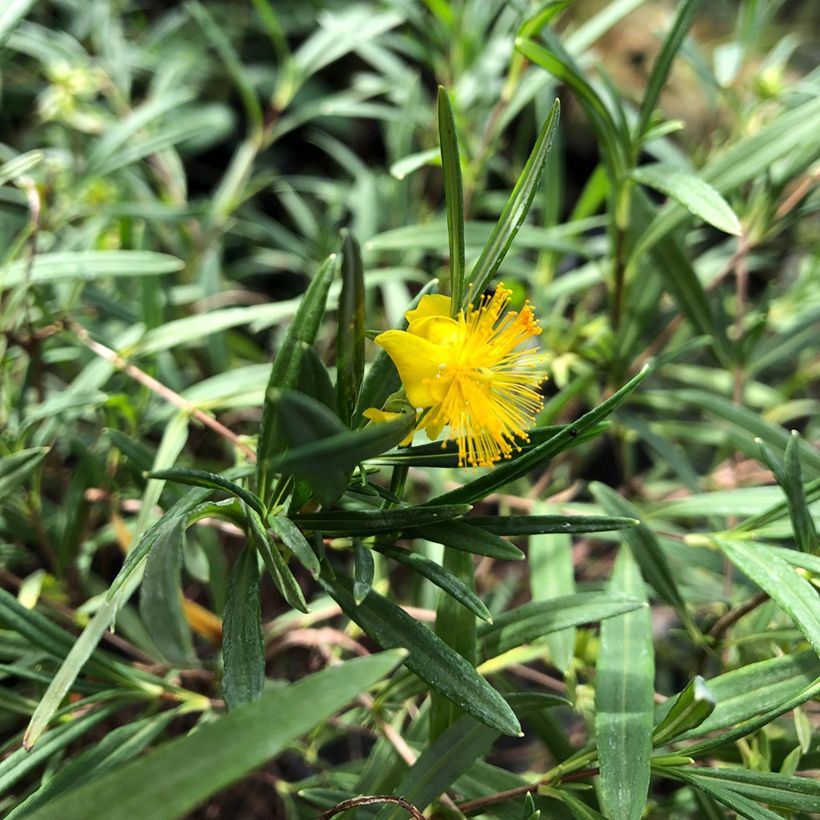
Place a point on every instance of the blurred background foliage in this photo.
(175, 175)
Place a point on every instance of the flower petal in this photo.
(417, 361)
(440, 330)
(432, 305)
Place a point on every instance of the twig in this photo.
(160, 389)
(725, 622)
(371, 800)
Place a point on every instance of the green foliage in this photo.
(208, 212)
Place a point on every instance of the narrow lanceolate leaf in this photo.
(165, 784)
(540, 524)
(243, 650)
(780, 581)
(692, 192)
(777, 790)
(276, 565)
(754, 689)
(161, 599)
(86, 266)
(551, 575)
(291, 536)
(368, 522)
(646, 551)
(326, 447)
(441, 764)
(16, 467)
(442, 668)
(364, 568)
(689, 709)
(663, 63)
(202, 478)
(515, 211)
(456, 626)
(350, 330)
(453, 196)
(530, 621)
(439, 576)
(624, 691)
(805, 533)
(285, 369)
(462, 536)
(508, 471)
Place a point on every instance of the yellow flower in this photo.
(470, 373)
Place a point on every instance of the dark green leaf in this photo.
(453, 196)
(161, 598)
(274, 562)
(802, 522)
(350, 330)
(285, 369)
(364, 567)
(202, 478)
(463, 536)
(172, 780)
(539, 524)
(16, 467)
(439, 576)
(243, 650)
(530, 621)
(369, 522)
(443, 669)
(291, 536)
(515, 211)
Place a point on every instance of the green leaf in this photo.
(369, 522)
(515, 210)
(689, 709)
(805, 533)
(461, 535)
(291, 536)
(161, 599)
(285, 369)
(243, 649)
(508, 471)
(321, 445)
(692, 192)
(439, 576)
(274, 562)
(202, 478)
(453, 197)
(560, 64)
(172, 780)
(350, 330)
(539, 524)
(778, 790)
(443, 669)
(530, 621)
(624, 694)
(364, 568)
(551, 575)
(684, 18)
(86, 266)
(15, 168)
(16, 467)
(310, 430)
(456, 626)
(793, 594)
(441, 764)
(646, 551)
(445, 453)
